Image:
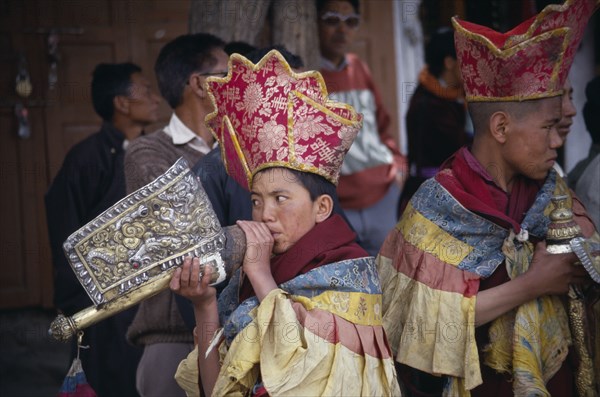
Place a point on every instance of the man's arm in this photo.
(144, 162)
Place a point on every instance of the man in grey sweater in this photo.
(181, 70)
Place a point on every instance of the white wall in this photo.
(408, 42)
(582, 71)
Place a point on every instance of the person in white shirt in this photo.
(181, 70)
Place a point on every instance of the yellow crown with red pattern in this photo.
(531, 61)
(266, 115)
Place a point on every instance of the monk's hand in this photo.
(187, 282)
(259, 246)
(551, 274)
(257, 259)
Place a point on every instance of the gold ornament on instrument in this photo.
(562, 233)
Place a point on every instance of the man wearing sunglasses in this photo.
(370, 178)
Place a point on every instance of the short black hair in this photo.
(108, 81)
(293, 60)
(440, 46)
(321, 4)
(316, 184)
(481, 112)
(181, 57)
(591, 109)
(239, 47)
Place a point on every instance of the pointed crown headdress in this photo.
(266, 115)
(531, 61)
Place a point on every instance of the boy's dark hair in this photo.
(108, 81)
(440, 46)
(181, 57)
(293, 60)
(591, 109)
(314, 183)
(481, 112)
(321, 4)
(239, 47)
(318, 186)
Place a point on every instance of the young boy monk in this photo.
(303, 315)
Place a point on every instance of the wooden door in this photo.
(375, 45)
(163, 20)
(88, 35)
(24, 252)
(90, 32)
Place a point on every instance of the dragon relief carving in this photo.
(174, 222)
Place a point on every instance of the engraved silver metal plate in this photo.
(145, 234)
(588, 253)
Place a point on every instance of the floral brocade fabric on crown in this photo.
(266, 116)
(531, 61)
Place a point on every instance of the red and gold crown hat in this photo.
(267, 116)
(531, 61)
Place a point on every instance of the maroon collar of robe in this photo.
(327, 242)
(475, 189)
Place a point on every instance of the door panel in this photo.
(23, 251)
(69, 102)
(90, 32)
(164, 21)
(375, 45)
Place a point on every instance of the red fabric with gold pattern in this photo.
(531, 61)
(268, 116)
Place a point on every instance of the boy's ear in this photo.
(121, 104)
(324, 204)
(499, 125)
